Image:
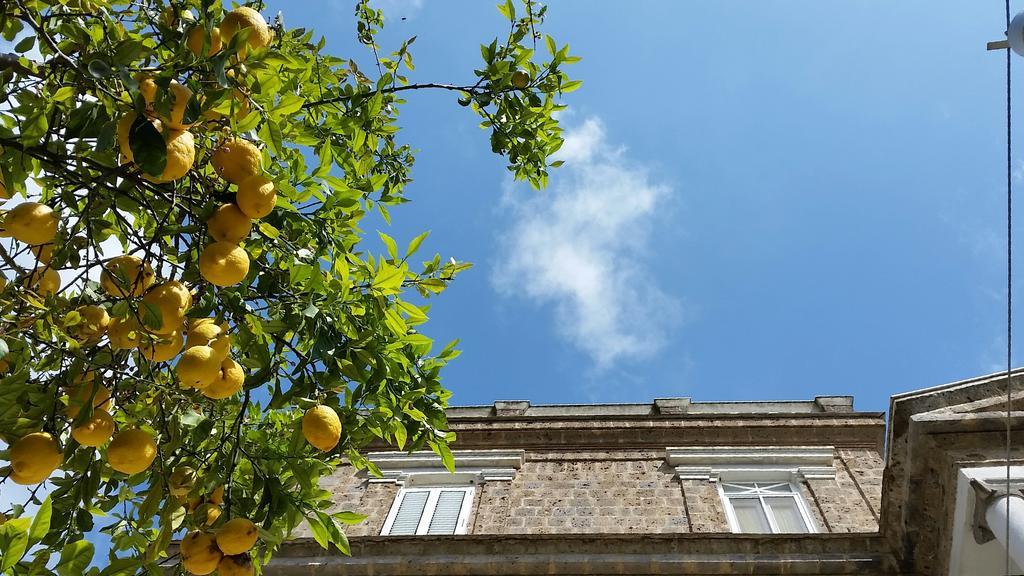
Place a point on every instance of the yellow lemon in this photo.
(202, 331)
(182, 480)
(223, 264)
(199, 553)
(34, 457)
(197, 38)
(124, 128)
(5, 192)
(321, 427)
(198, 367)
(147, 87)
(96, 430)
(228, 383)
(237, 536)
(208, 514)
(240, 565)
(80, 395)
(256, 196)
(93, 324)
(126, 276)
(32, 223)
(221, 345)
(161, 348)
(131, 451)
(181, 154)
(217, 496)
(173, 300)
(124, 333)
(43, 253)
(180, 96)
(229, 224)
(245, 18)
(237, 159)
(44, 281)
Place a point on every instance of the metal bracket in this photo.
(998, 45)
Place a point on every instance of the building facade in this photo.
(682, 487)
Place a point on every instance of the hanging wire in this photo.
(1009, 278)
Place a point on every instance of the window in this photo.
(429, 511)
(765, 508)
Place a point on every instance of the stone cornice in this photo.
(752, 462)
(599, 554)
(474, 466)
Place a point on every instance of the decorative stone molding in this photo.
(739, 463)
(425, 467)
(672, 406)
(511, 407)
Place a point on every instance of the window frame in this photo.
(434, 492)
(794, 492)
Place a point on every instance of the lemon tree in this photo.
(192, 329)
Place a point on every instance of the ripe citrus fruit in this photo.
(199, 553)
(147, 87)
(229, 224)
(208, 514)
(237, 536)
(228, 382)
(245, 18)
(161, 348)
(180, 96)
(181, 481)
(198, 367)
(126, 276)
(131, 451)
(217, 496)
(173, 300)
(321, 427)
(181, 154)
(124, 333)
(34, 457)
(32, 223)
(223, 264)
(240, 565)
(5, 192)
(197, 38)
(43, 253)
(85, 394)
(256, 196)
(93, 324)
(237, 159)
(202, 331)
(44, 281)
(96, 430)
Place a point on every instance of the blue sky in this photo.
(769, 200)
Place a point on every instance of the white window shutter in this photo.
(446, 512)
(409, 512)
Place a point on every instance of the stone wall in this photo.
(620, 491)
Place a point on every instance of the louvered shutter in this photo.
(409, 513)
(446, 512)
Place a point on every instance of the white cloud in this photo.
(580, 247)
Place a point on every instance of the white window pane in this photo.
(409, 513)
(446, 512)
(750, 516)
(787, 515)
(734, 488)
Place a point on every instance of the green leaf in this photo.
(64, 93)
(148, 146)
(349, 517)
(388, 279)
(41, 521)
(414, 245)
(13, 543)
(75, 558)
(508, 10)
(390, 243)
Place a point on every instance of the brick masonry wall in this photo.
(625, 491)
(604, 493)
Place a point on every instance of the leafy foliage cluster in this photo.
(318, 320)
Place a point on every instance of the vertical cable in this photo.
(1009, 278)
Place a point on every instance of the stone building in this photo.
(684, 487)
